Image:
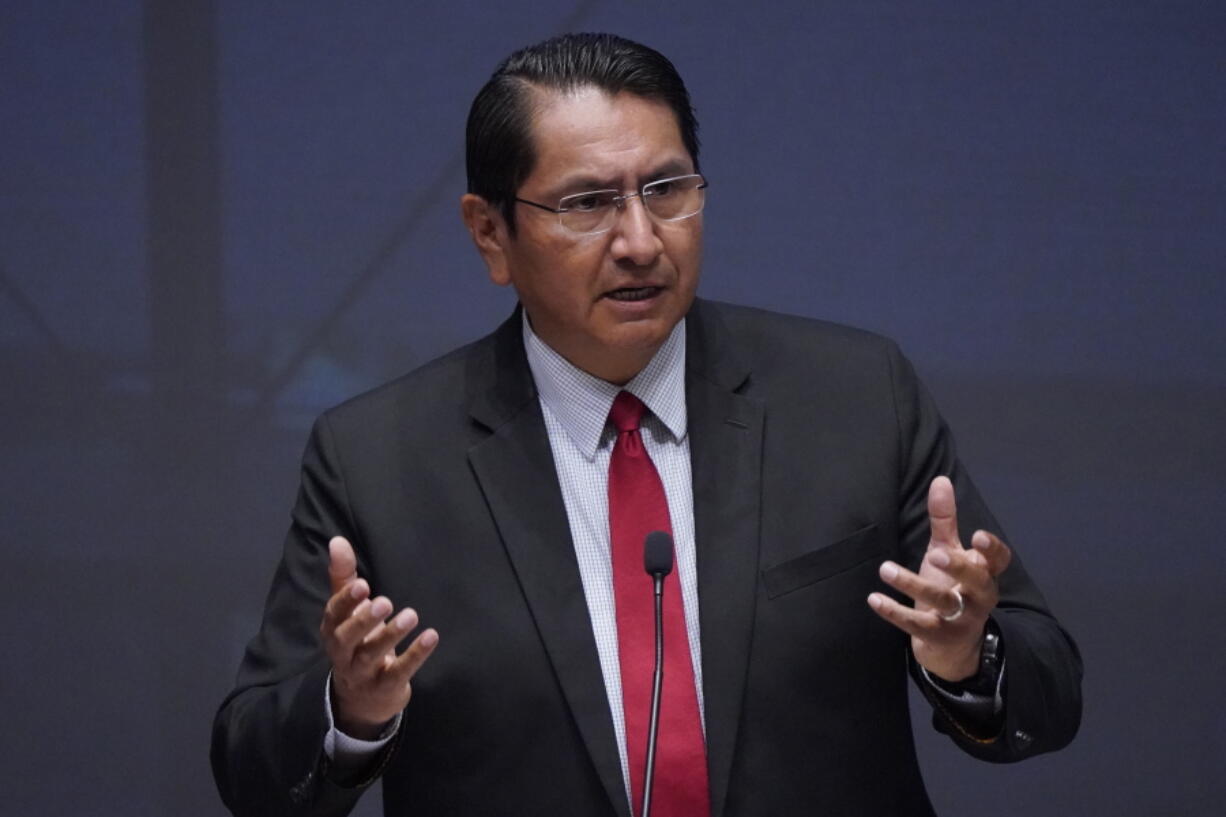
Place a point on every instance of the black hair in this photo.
(499, 150)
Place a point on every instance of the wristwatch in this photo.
(991, 659)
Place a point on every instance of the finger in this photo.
(368, 615)
(342, 564)
(921, 590)
(342, 604)
(409, 662)
(917, 623)
(996, 553)
(969, 567)
(382, 640)
(943, 513)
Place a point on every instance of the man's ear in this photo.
(489, 233)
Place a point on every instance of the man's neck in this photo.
(617, 368)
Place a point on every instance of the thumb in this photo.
(342, 564)
(943, 513)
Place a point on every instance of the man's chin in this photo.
(649, 327)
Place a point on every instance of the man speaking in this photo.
(462, 608)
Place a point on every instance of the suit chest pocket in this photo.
(862, 546)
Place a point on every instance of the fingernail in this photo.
(939, 558)
(403, 620)
(429, 638)
(380, 608)
(889, 570)
(355, 590)
(874, 601)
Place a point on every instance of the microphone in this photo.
(658, 562)
(658, 554)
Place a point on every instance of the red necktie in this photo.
(637, 506)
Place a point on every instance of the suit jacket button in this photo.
(1023, 737)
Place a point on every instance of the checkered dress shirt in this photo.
(576, 409)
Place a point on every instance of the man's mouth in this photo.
(633, 293)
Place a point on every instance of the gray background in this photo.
(218, 218)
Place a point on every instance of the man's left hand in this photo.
(954, 591)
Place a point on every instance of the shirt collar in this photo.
(581, 402)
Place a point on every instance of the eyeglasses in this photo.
(595, 211)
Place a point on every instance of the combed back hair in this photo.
(499, 150)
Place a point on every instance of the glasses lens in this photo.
(588, 212)
(672, 199)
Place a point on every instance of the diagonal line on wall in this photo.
(370, 270)
(27, 307)
(360, 282)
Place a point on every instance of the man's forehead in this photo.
(587, 132)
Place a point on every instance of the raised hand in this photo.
(953, 592)
(370, 681)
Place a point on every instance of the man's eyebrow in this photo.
(585, 182)
(672, 167)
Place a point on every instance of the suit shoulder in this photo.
(766, 337)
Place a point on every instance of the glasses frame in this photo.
(619, 201)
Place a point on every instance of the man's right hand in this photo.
(370, 682)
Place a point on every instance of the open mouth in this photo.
(633, 293)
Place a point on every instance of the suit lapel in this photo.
(725, 429)
(515, 468)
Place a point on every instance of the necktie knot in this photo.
(627, 412)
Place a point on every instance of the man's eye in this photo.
(662, 189)
(586, 204)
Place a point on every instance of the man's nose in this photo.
(636, 240)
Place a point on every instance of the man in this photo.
(504, 489)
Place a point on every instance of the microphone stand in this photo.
(658, 561)
(657, 684)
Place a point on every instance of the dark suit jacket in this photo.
(812, 448)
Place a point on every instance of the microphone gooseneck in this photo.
(658, 562)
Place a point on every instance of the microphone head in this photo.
(658, 553)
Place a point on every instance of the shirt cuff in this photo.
(349, 754)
